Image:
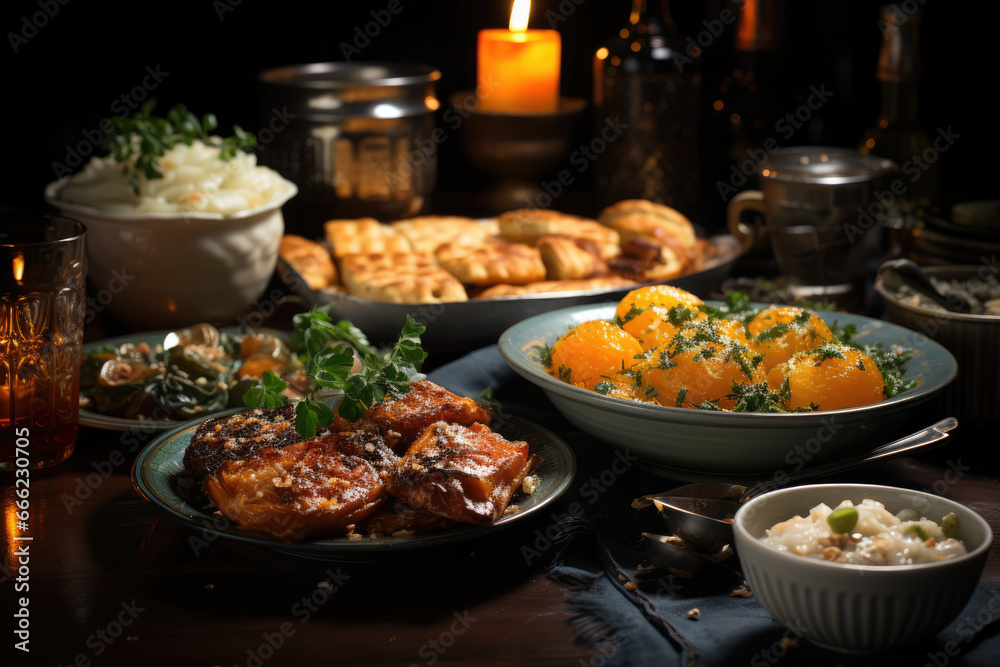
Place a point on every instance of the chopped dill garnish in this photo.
(678, 315)
(681, 395)
(604, 388)
(544, 354)
(776, 331)
(633, 312)
(826, 351)
(756, 397)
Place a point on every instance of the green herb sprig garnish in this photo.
(329, 361)
(140, 140)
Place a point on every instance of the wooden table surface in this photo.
(113, 582)
(110, 581)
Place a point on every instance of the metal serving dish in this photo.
(466, 325)
(973, 339)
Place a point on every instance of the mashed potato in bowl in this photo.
(195, 179)
(199, 244)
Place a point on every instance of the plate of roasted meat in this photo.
(419, 468)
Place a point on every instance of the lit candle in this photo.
(518, 69)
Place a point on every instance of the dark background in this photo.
(70, 72)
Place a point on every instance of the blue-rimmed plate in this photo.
(94, 419)
(161, 479)
(695, 444)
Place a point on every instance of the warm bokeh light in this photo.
(432, 103)
(519, 15)
(746, 31)
(602, 53)
(18, 267)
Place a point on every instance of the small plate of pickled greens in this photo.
(151, 382)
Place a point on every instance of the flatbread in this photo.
(363, 236)
(529, 225)
(400, 277)
(309, 259)
(426, 233)
(492, 262)
(565, 259)
(640, 217)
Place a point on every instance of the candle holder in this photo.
(517, 149)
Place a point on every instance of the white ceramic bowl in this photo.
(858, 608)
(163, 270)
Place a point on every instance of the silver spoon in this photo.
(898, 272)
(702, 513)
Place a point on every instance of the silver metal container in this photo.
(974, 340)
(823, 215)
(356, 138)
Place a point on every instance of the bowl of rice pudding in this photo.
(861, 568)
(199, 244)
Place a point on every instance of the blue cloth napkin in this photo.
(596, 552)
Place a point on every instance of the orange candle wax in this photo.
(518, 71)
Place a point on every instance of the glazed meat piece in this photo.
(302, 490)
(462, 473)
(396, 517)
(238, 436)
(366, 444)
(426, 403)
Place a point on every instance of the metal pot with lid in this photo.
(356, 138)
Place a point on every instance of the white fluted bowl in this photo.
(858, 608)
(165, 270)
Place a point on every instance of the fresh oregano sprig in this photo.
(329, 362)
(140, 140)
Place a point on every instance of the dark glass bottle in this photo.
(748, 97)
(646, 98)
(898, 134)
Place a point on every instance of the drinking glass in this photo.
(43, 270)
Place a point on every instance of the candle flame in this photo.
(519, 15)
(18, 267)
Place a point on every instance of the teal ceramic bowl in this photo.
(691, 444)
